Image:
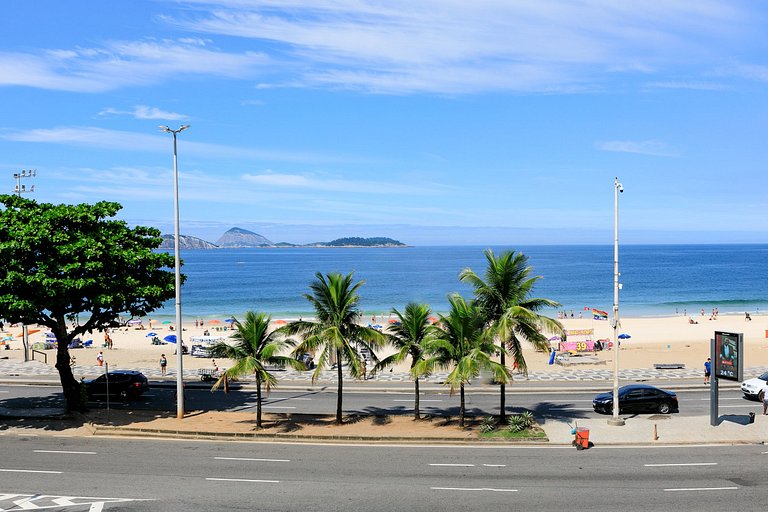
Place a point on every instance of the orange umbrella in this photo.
(31, 331)
(432, 319)
(214, 322)
(281, 322)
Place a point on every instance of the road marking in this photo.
(30, 471)
(681, 464)
(575, 409)
(734, 406)
(413, 400)
(277, 406)
(490, 489)
(455, 465)
(64, 451)
(702, 489)
(723, 398)
(244, 458)
(244, 480)
(495, 465)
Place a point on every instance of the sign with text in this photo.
(729, 350)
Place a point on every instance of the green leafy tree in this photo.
(74, 264)
(462, 343)
(504, 295)
(336, 334)
(408, 335)
(255, 348)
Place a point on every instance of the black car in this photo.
(119, 384)
(638, 398)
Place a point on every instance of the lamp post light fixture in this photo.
(22, 189)
(615, 420)
(177, 269)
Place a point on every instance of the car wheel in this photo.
(664, 408)
(761, 395)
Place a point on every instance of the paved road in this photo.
(544, 404)
(142, 475)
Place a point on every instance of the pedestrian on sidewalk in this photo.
(765, 402)
(707, 370)
(163, 364)
(100, 359)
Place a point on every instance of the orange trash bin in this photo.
(582, 438)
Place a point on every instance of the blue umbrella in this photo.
(151, 334)
(624, 336)
(229, 320)
(171, 338)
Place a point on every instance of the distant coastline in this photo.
(238, 238)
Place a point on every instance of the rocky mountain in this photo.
(238, 237)
(186, 242)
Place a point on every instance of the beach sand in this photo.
(654, 340)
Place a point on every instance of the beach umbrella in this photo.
(432, 319)
(624, 336)
(281, 322)
(555, 338)
(171, 338)
(229, 320)
(151, 334)
(214, 322)
(134, 321)
(31, 331)
(167, 322)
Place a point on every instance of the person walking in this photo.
(765, 401)
(707, 370)
(163, 364)
(100, 359)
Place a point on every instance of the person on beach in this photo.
(707, 370)
(163, 364)
(100, 359)
(746, 319)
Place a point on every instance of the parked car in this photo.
(755, 388)
(120, 384)
(638, 398)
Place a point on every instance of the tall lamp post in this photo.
(22, 189)
(615, 420)
(177, 269)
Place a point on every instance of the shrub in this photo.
(520, 422)
(488, 424)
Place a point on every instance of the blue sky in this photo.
(430, 121)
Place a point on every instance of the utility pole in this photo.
(22, 189)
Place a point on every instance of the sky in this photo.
(434, 122)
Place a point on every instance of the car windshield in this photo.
(764, 377)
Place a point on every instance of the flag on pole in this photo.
(599, 315)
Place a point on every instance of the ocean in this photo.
(657, 280)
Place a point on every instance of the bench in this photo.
(669, 366)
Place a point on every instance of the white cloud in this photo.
(334, 184)
(646, 147)
(401, 46)
(144, 112)
(123, 63)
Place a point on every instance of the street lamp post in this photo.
(22, 189)
(177, 269)
(615, 420)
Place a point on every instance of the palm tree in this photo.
(408, 336)
(504, 297)
(335, 333)
(255, 348)
(462, 342)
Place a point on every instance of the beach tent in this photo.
(171, 338)
(206, 339)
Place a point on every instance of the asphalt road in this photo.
(546, 404)
(94, 474)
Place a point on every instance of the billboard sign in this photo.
(729, 356)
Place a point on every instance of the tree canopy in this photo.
(76, 264)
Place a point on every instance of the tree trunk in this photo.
(69, 384)
(416, 414)
(340, 389)
(258, 403)
(503, 391)
(461, 408)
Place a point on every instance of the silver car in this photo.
(755, 388)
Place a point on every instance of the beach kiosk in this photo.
(201, 345)
(578, 340)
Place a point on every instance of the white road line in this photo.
(721, 398)
(735, 406)
(30, 471)
(681, 464)
(267, 406)
(702, 489)
(495, 465)
(244, 480)
(490, 489)
(413, 400)
(260, 460)
(455, 465)
(64, 451)
(4, 391)
(575, 409)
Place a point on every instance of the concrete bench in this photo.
(669, 366)
(573, 360)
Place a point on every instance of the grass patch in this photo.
(528, 433)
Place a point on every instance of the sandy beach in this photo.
(653, 340)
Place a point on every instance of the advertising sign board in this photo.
(729, 356)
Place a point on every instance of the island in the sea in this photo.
(236, 238)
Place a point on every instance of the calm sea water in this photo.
(658, 280)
